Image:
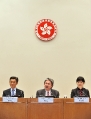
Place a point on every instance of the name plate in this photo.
(45, 100)
(10, 99)
(81, 99)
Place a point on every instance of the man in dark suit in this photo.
(13, 91)
(80, 91)
(48, 91)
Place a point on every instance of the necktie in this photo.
(80, 92)
(12, 92)
(47, 93)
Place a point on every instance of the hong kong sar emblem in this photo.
(46, 29)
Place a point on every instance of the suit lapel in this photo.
(52, 92)
(9, 92)
(17, 93)
(43, 92)
(76, 92)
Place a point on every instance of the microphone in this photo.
(7, 96)
(41, 96)
(85, 94)
(65, 96)
(76, 96)
(53, 95)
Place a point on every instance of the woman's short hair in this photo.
(80, 78)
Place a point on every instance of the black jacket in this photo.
(19, 93)
(41, 93)
(74, 92)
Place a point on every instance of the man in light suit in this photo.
(48, 91)
(13, 91)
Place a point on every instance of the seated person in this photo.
(80, 91)
(13, 91)
(48, 91)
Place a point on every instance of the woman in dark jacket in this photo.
(80, 91)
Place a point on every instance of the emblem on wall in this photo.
(46, 29)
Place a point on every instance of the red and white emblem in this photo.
(46, 29)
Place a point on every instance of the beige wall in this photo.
(22, 54)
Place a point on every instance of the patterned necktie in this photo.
(80, 92)
(47, 93)
(12, 92)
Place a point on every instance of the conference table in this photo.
(74, 110)
(13, 110)
(29, 108)
(45, 110)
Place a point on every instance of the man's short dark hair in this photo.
(51, 80)
(80, 78)
(14, 77)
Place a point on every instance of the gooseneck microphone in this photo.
(41, 96)
(53, 95)
(85, 94)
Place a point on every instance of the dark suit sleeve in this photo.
(3, 94)
(23, 94)
(57, 95)
(88, 94)
(37, 94)
(72, 93)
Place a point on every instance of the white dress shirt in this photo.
(46, 93)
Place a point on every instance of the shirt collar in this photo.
(48, 91)
(13, 89)
(79, 88)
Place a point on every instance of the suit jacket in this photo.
(41, 93)
(74, 92)
(19, 93)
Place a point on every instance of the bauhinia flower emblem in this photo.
(46, 29)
